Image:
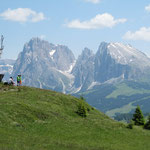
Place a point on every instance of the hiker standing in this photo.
(19, 80)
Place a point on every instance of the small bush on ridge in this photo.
(130, 125)
(82, 110)
(147, 125)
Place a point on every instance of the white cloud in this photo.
(141, 34)
(22, 15)
(147, 8)
(99, 21)
(93, 1)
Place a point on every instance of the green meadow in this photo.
(36, 119)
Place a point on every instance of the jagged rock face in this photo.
(63, 58)
(54, 67)
(6, 67)
(41, 65)
(106, 66)
(84, 70)
(113, 60)
(41, 52)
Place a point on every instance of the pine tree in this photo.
(138, 117)
(82, 111)
(147, 125)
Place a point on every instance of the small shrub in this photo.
(130, 125)
(82, 110)
(82, 98)
(88, 109)
(147, 125)
(92, 108)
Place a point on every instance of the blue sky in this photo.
(75, 23)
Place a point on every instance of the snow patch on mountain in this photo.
(40, 84)
(70, 76)
(93, 84)
(77, 89)
(71, 67)
(126, 54)
(115, 80)
(64, 87)
(68, 73)
(51, 53)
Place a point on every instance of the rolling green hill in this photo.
(36, 119)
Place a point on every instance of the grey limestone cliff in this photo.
(42, 65)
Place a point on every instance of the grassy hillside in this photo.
(35, 119)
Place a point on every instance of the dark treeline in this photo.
(127, 117)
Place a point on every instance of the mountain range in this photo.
(114, 79)
(6, 67)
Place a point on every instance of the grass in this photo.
(123, 110)
(36, 119)
(124, 89)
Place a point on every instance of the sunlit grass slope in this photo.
(36, 119)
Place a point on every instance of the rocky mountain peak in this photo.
(87, 52)
(37, 44)
(58, 56)
(102, 48)
(83, 70)
(85, 55)
(43, 65)
(114, 60)
(126, 54)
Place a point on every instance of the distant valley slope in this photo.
(114, 79)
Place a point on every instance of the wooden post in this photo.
(2, 47)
